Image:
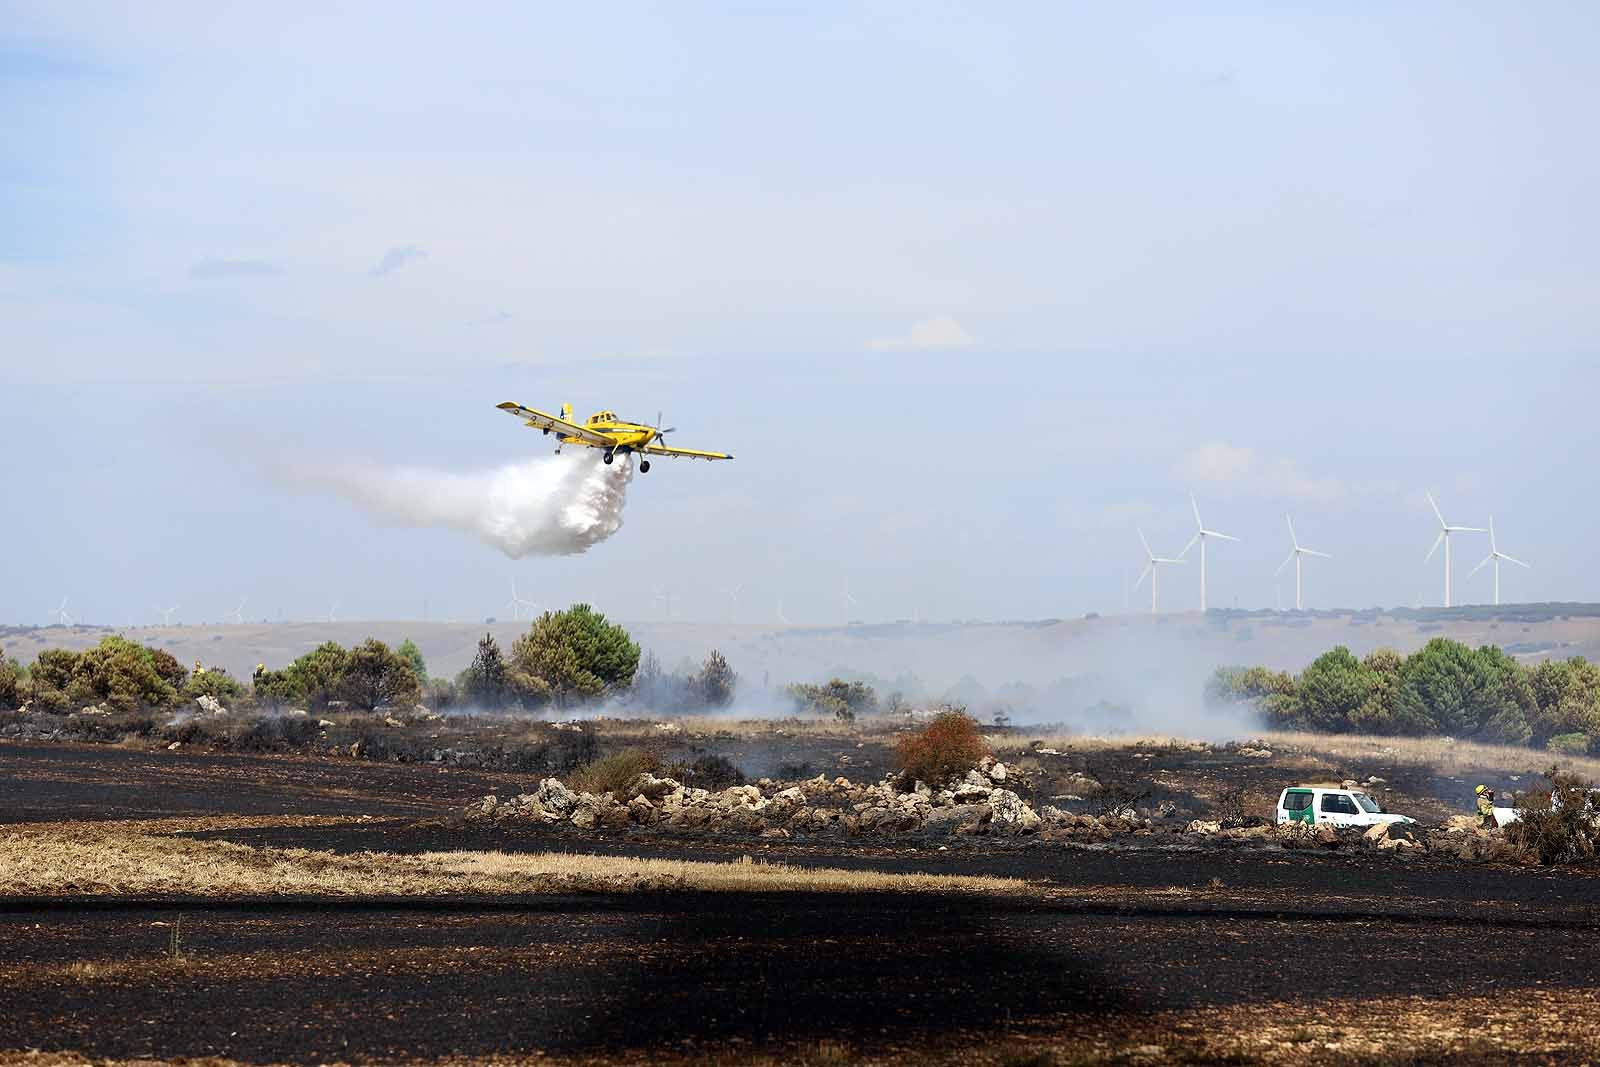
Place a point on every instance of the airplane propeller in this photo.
(661, 435)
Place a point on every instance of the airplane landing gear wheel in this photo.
(609, 457)
(644, 465)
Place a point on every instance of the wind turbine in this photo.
(61, 613)
(1297, 554)
(665, 595)
(1496, 555)
(516, 603)
(849, 601)
(733, 594)
(1152, 567)
(238, 612)
(1201, 534)
(781, 616)
(166, 614)
(1445, 530)
(332, 611)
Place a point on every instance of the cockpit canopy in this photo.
(603, 416)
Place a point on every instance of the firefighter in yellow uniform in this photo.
(1485, 807)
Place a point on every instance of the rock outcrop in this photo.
(976, 804)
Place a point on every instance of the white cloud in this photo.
(396, 258)
(1221, 464)
(941, 331)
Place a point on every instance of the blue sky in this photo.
(971, 291)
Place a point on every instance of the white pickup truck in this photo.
(1333, 806)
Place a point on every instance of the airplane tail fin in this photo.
(566, 412)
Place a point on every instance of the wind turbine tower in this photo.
(1201, 533)
(1445, 530)
(1152, 567)
(1496, 555)
(1297, 554)
(238, 612)
(517, 603)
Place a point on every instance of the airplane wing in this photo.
(654, 449)
(541, 421)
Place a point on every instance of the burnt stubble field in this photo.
(1149, 951)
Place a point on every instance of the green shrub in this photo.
(947, 747)
(374, 676)
(276, 690)
(716, 681)
(484, 684)
(120, 673)
(11, 683)
(318, 674)
(614, 773)
(409, 652)
(577, 654)
(213, 682)
(1569, 744)
(841, 699)
(49, 678)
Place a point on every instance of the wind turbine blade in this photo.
(1314, 552)
(1188, 546)
(1481, 562)
(1492, 546)
(1219, 533)
(1148, 567)
(1436, 510)
(1466, 529)
(1437, 541)
(1518, 562)
(1293, 540)
(1145, 543)
(1286, 562)
(1196, 505)
(1164, 559)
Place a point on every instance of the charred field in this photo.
(1155, 947)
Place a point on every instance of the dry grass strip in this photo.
(103, 861)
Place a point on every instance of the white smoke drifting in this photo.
(555, 506)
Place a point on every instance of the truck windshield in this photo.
(1368, 804)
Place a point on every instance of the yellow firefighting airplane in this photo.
(605, 430)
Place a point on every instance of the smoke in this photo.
(553, 506)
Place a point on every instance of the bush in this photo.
(409, 652)
(614, 773)
(576, 654)
(484, 684)
(213, 682)
(1558, 826)
(1569, 744)
(10, 683)
(374, 676)
(276, 690)
(948, 746)
(716, 681)
(841, 699)
(318, 674)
